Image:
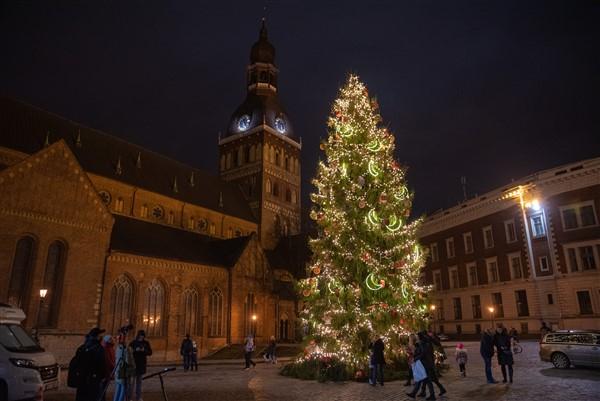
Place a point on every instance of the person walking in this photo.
(271, 348)
(544, 330)
(377, 360)
(186, 351)
(486, 349)
(433, 376)
(109, 359)
(503, 344)
(141, 352)
(248, 349)
(410, 359)
(87, 370)
(124, 368)
(424, 353)
(194, 356)
(461, 358)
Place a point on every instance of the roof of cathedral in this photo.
(159, 241)
(292, 253)
(28, 129)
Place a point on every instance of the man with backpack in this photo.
(87, 369)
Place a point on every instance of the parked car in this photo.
(571, 347)
(26, 370)
(442, 337)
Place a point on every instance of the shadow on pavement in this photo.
(487, 392)
(579, 373)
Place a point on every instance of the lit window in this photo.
(450, 247)
(119, 205)
(468, 240)
(153, 313)
(538, 228)
(511, 232)
(488, 237)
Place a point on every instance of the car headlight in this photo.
(23, 363)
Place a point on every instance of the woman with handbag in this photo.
(424, 366)
(503, 344)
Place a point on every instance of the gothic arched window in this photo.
(288, 195)
(222, 162)
(228, 161)
(20, 273)
(154, 304)
(250, 153)
(258, 152)
(287, 163)
(275, 189)
(272, 154)
(240, 156)
(215, 316)
(53, 276)
(277, 158)
(294, 197)
(121, 303)
(192, 316)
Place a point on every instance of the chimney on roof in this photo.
(175, 189)
(221, 199)
(78, 139)
(47, 140)
(119, 169)
(138, 161)
(192, 182)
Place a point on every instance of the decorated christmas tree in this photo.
(364, 274)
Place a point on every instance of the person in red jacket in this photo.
(109, 358)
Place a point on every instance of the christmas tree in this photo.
(365, 269)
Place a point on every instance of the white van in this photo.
(26, 370)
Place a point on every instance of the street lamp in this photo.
(492, 310)
(254, 317)
(432, 308)
(43, 293)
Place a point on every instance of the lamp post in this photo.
(254, 318)
(43, 293)
(492, 310)
(432, 308)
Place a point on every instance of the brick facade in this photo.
(527, 225)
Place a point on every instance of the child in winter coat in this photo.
(461, 358)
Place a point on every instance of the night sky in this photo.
(491, 90)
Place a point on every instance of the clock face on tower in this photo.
(244, 122)
(280, 125)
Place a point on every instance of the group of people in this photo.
(502, 341)
(102, 359)
(420, 348)
(249, 347)
(189, 352)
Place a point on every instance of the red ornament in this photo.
(362, 203)
(365, 257)
(400, 264)
(359, 374)
(383, 199)
(322, 146)
(401, 321)
(306, 292)
(316, 270)
(382, 283)
(393, 313)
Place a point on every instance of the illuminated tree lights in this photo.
(365, 270)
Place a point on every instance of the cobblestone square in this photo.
(534, 380)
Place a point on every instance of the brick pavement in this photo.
(534, 380)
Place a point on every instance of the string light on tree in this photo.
(365, 272)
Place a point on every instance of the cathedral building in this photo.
(118, 234)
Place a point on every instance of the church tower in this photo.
(260, 151)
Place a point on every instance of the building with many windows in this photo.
(117, 234)
(521, 254)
